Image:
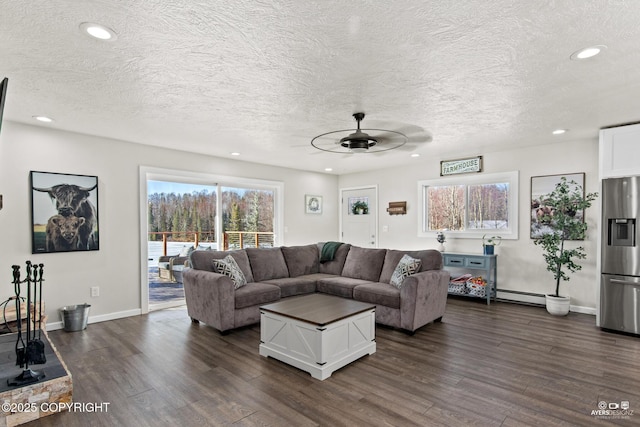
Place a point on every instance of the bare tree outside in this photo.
(446, 207)
(483, 206)
(488, 206)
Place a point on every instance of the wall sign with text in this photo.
(453, 167)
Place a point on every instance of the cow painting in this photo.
(71, 216)
(63, 233)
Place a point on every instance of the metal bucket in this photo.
(75, 317)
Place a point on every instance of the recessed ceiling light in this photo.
(587, 52)
(235, 153)
(43, 119)
(98, 31)
(328, 169)
(559, 131)
(415, 155)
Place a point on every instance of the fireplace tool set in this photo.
(30, 349)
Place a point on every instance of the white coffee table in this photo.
(317, 333)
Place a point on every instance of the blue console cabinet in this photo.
(476, 264)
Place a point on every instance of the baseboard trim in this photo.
(521, 297)
(583, 310)
(52, 326)
(536, 299)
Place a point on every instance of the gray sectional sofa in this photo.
(274, 273)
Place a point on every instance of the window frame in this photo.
(475, 179)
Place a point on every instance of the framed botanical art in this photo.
(541, 214)
(312, 204)
(64, 212)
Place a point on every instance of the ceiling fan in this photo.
(359, 141)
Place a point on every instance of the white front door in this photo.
(359, 217)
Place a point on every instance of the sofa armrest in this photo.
(210, 298)
(178, 260)
(423, 298)
(166, 258)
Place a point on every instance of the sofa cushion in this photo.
(256, 293)
(335, 266)
(430, 260)
(267, 263)
(301, 260)
(378, 293)
(229, 267)
(364, 263)
(203, 260)
(405, 268)
(290, 286)
(339, 286)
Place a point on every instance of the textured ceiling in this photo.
(264, 77)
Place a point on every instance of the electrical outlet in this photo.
(95, 291)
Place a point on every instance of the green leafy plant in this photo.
(491, 241)
(565, 201)
(360, 205)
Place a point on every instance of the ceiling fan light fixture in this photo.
(359, 141)
(358, 145)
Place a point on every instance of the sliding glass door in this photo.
(247, 217)
(182, 211)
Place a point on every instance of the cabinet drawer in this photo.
(473, 262)
(454, 260)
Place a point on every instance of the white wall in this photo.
(115, 268)
(521, 266)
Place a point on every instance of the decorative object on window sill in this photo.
(488, 244)
(397, 208)
(441, 239)
(454, 167)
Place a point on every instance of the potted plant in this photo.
(440, 238)
(360, 208)
(564, 203)
(488, 244)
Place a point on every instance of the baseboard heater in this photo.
(520, 297)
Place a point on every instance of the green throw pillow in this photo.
(229, 267)
(405, 268)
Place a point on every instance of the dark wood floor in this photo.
(502, 365)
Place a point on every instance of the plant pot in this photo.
(488, 249)
(557, 306)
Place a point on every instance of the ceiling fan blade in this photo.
(386, 136)
(420, 137)
(371, 139)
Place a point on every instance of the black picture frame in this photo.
(542, 185)
(64, 212)
(3, 96)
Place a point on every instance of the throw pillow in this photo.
(229, 267)
(185, 251)
(405, 268)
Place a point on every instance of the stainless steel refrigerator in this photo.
(620, 281)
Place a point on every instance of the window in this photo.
(470, 206)
(247, 217)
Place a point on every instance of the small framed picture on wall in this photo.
(312, 204)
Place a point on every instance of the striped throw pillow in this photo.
(229, 267)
